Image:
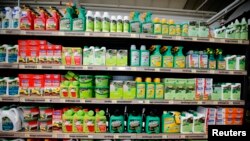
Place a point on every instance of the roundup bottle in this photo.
(237, 29)
(167, 57)
(150, 88)
(135, 24)
(134, 123)
(126, 24)
(211, 59)
(98, 22)
(134, 56)
(165, 26)
(113, 25)
(179, 58)
(159, 89)
(170, 122)
(244, 29)
(140, 88)
(89, 21)
(152, 123)
(144, 56)
(147, 25)
(116, 122)
(106, 22)
(100, 122)
(157, 26)
(119, 24)
(220, 63)
(79, 24)
(155, 58)
(66, 21)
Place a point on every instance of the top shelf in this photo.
(120, 35)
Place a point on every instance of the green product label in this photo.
(88, 57)
(67, 124)
(135, 27)
(129, 90)
(172, 31)
(212, 64)
(170, 90)
(90, 24)
(179, 62)
(140, 90)
(221, 65)
(98, 25)
(165, 28)
(99, 57)
(65, 24)
(157, 28)
(86, 93)
(122, 58)
(153, 126)
(226, 92)
(236, 92)
(78, 24)
(147, 28)
(126, 26)
(199, 125)
(217, 91)
(101, 93)
(231, 64)
(150, 92)
(116, 90)
(113, 26)
(180, 91)
(89, 125)
(187, 125)
(184, 30)
(119, 26)
(144, 58)
(100, 125)
(159, 91)
(168, 61)
(155, 61)
(106, 25)
(190, 90)
(242, 64)
(111, 56)
(78, 125)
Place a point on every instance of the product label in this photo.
(168, 61)
(157, 28)
(134, 125)
(25, 24)
(144, 58)
(113, 26)
(186, 125)
(13, 87)
(85, 92)
(111, 56)
(190, 90)
(99, 57)
(153, 126)
(242, 64)
(217, 91)
(150, 92)
(78, 24)
(90, 24)
(126, 26)
(185, 30)
(101, 125)
(232, 64)
(221, 65)
(116, 126)
(119, 26)
(15, 23)
(212, 64)
(147, 28)
(39, 24)
(235, 91)
(155, 61)
(170, 89)
(98, 24)
(200, 86)
(172, 30)
(165, 29)
(89, 125)
(106, 24)
(226, 92)
(140, 90)
(135, 58)
(122, 58)
(159, 91)
(50, 24)
(88, 56)
(178, 30)
(179, 62)
(6, 23)
(65, 24)
(116, 89)
(101, 93)
(199, 125)
(7, 124)
(129, 89)
(135, 27)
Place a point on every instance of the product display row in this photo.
(80, 120)
(42, 52)
(72, 85)
(78, 19)
(83, 140)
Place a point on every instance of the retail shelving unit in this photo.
(125, 39)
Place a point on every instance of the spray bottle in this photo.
(52, 22)
(27, 20)
(134, 56)
(16, 17)
(157, 26)
(144, 56)
(167, 57)
(165, 26)
(89, 21)
(211, 59)
(40, 22)
(155, 58)
(147, 25)
(179, 58)
(135, 24)
(220, 62)
(7, 21)
(100, 121)
(66, 21)
(79, 23)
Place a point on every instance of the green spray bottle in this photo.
(116, 122)
(66, 21)
(134, 123)
(79, 24)
(244, 29)
(152, 123)
(179, 58)
(89, 122)
(135, 24)
(147, 25)
(211, 59)
(157, 26)
(100, 122)
(237, 27)
(78, 121)
(220, 62)
(144, 56)
(167, 57)
(155, 57)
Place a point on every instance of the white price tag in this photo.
(199, 102)
(26, 135)
(133, 35)
(182, 136)
(194, 38)
(0, 98)
(62, 67)
(116, 136)
(212, 71)
(47, 100)
(21, 66)
(62, 100)
(87, 33)
(90, 136)
(22, 99)
(178, 37)
(114, 101)
(231, 103)
(164, 136)
(157, 69)
(84, 67)
(140, 101)
(159, 36)
(106, 34)
(39, 66)
(211, 39)
(215, 102)
(54, 135)
(82, 100)
(147, 101)
(171, 102)
(222, 40)
(240, 41)
(193, 70)
(133, 68)
(66, 136)
(109, 68)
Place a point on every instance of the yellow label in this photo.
(159, 90)
(150, 91)
(165, 29)
(172, 30)
(155, 61)
(157, 28)
(178, 30)
(140, 90)
(168, 61)
(180, 62)
(212, 64)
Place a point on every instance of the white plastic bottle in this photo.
(106, 22)
(119, 24)
(7, 21)
(89, 21)
(134, 56)
(113, 24)
(16, 17)
(244, 29)
(98, 22)
(125, 24)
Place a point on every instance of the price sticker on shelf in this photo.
(164, 136)
(106, 34)
(22, 99)
(26, 135)
(231, 102)
(0, 98)
(178, 37)
(54, 135)
(133, 68)
(182, 136)
(157, 69)
(199, 102)
(240, 41)
(116, 136)
(62, 100)
(147, 101)
(171, 102)
(90, 136)
(82, 100)
(114, 101)
(140, 101)
(211, 39)
(47, 100)
(194, 38)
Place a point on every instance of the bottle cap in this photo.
(138, 79)
(119, 17)
(125, 18)
(97, 14)
(105, 14)
(148, 79)
(143, 47)
(163, 20)
(157, 80)
(133, 47)
(170, 21)
(113, 17)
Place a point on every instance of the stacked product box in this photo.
(226, 91)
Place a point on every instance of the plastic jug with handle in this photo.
(10, 120)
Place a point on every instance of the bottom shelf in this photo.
(100, 135)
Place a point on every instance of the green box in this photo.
(190, 89)
(129, 90)
(170, 88)
(116, 89)
(111, 57)
(122, 58)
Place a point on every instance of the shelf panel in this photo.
(120, 35)
(100, 135)
(124, 101)
(138, 69)
(8, 65)
(9, 99)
